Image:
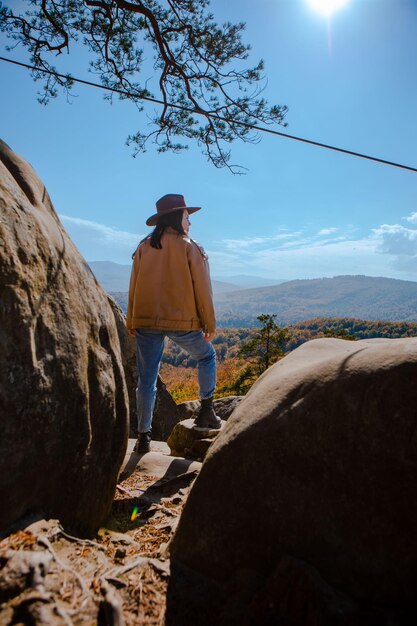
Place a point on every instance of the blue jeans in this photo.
(149, 349)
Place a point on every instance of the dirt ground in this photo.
(120, 577)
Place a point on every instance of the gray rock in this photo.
(188, 410)
(224, 407)
(63, 406)
(165, 415)
(318, 462)
(199, 449)
(184, 436)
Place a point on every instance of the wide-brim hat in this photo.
(168, 204)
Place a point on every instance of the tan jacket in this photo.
(170, 289)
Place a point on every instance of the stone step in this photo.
(190, 442)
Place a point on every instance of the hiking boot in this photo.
(143, 443)
(206, 417)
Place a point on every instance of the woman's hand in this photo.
(208, 336)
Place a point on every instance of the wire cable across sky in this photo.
(261, 129)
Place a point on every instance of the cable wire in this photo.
(261, 129)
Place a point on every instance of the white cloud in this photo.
(329, 259)
(396, 239)
(249, 242)
(400, 243)
(381, 252)
(98, 242)
(282, 241)
(388, 250)
(300, 255)
(327, 231)
(223, 263)
(411, 218)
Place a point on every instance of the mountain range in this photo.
(362, 297)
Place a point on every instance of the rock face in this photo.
(318, 463)
(128, 353)
(165, 414)
(63, 405)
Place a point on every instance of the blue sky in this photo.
(300, 211)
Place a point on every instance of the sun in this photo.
(327, 7)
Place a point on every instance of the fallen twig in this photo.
(163, 567)
(85, 542)
(119, 571)
(122, 489)
(62, 613)
(110, 611)
(160, 507)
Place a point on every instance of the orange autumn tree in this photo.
(182, 382)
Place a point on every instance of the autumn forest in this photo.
(237, 371)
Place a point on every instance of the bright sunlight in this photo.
(327, 7)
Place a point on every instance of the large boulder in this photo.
(165, 414)
(128, 354)
(318, 463)
(63, 403)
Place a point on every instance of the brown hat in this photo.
(167, 204)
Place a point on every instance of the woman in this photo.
(170, 296)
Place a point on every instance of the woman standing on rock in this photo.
(170, 295)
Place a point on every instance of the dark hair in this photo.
(174, 220)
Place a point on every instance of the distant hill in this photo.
(362, 297)
(111, 276)
(223, 287)
(121, 298)
(242, 281)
